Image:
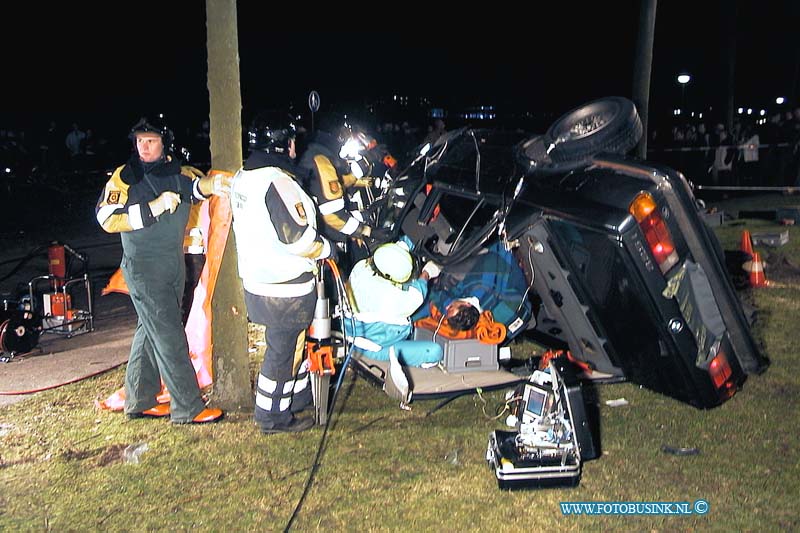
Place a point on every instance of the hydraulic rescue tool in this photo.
(319, 350)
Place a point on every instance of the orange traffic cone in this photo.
(747, 242)
(757, 277)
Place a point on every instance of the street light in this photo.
(683, 79)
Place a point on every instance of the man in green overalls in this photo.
(147, 201)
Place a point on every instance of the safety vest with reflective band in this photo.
(328, 186)
(276, 235)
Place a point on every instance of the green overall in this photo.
(154, 270)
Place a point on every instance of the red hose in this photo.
(19, 393)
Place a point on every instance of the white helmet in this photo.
(394, 262)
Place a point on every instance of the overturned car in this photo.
(624, 272)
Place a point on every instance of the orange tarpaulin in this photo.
(486, 330)
(215, 221)
(116, 283)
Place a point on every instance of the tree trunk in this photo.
(642, 68)
(232, 388)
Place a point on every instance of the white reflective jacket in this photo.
(276, 232)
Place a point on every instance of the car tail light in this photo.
(643, 209)
(722, 375)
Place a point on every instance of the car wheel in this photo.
(610, 125)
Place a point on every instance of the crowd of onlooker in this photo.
(44, 154)
(36, 156)
(752, 153)
(52, 152)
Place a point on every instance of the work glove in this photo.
(217, 184)
(222, 184)
(192, 172)
(168, 201)
(432, 269)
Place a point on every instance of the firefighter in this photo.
(278, 247)
(147, 201)
(330, 178)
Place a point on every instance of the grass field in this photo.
(63, 467)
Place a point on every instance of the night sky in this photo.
(543, 60)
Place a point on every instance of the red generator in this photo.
(59, 315)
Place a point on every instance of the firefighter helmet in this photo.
(154, 125)
(336, 124)
(272, 132)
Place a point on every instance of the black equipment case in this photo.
(533, 457)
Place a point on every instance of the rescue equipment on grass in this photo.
(319, 348)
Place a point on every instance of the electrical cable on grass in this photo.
(502, 408)
(341, 292)
(32, 391)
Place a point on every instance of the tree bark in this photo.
(232, 387)
(642, 68)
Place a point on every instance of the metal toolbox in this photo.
(774, 239)
(533, 457)
(462, 355)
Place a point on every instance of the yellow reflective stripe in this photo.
(110, 211)
(329, 179)
(299, 352)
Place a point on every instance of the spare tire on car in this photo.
(607, 125)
